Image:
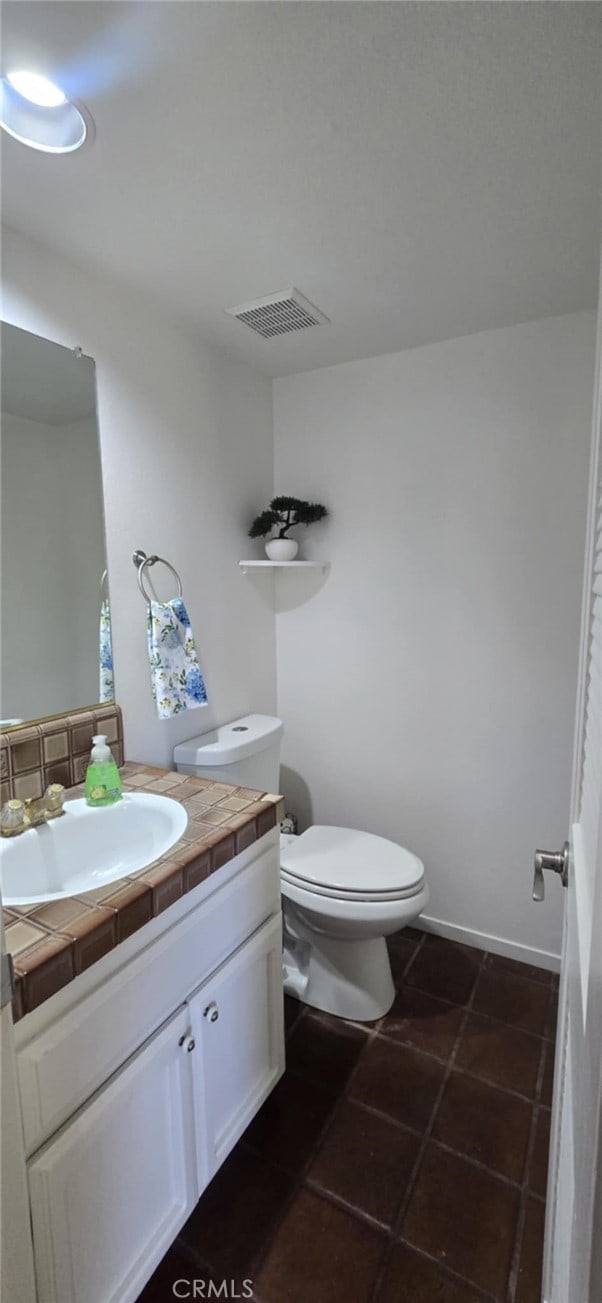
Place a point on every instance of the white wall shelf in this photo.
(284, 565)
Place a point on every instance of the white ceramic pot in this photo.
(282, 549)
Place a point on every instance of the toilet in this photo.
(343, 891)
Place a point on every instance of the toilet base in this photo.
(348, 978)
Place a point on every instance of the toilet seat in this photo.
(345, 864)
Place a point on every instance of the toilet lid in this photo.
(350, 863)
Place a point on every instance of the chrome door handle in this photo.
(557, 861)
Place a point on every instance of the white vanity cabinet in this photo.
(111, 1191)
(113, 1185)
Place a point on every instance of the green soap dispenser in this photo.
(103, 784)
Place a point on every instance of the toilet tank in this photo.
(245, 753)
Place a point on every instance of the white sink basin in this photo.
(86, 848)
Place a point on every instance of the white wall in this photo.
(186, 448)
(428, 687)
(53, 553)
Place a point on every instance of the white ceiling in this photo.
(43, 381)
(417, 170)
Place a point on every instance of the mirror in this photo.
(55, 642)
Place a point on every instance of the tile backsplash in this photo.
(55, 751)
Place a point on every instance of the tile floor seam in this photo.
(354, 1210)
(484, 1294)
(476, 1162)
(218, 1269)
(466, 1072)
(522, 1211)
(441, 1144)
(404, 1203)
(371, 1033)
(296, 1185)
(489, 1081)
(502, 1022)
(383, 1117)
(298, 1181)
(534, 1103)
(427, 1133)
(419, 946)
(409, 1045)
(351, 1209)
(388, 1238)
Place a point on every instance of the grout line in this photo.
(443, 1266)
(372, 1030)
(522, 1212)
(446, 1076)
(476, 1163)
(419, 946)
(507, 1090)
(415, 1131)
(299, 1178)
(382, 1117)
(411, 1185)
(339, 1201)
(371, 1033)
(465, 1072)
(392, 1235)
(524, 1195)
(491, 1017)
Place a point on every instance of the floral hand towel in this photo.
(176, 677)
(107, 686)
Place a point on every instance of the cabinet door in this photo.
(112, 1189)
(237, 1018)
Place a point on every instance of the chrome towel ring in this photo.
(141, 561)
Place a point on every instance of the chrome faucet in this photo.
(18, 816)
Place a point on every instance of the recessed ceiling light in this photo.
(36, 112)
(37, 89)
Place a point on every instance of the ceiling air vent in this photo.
(278, 314)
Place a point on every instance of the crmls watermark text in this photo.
(216, 1289)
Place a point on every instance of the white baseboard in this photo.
(483, 941)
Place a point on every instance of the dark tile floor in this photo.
(400, 1162)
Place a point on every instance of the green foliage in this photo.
(283, 513)
(263, 524)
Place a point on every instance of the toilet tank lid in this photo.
(230, 742)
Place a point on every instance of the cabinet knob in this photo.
(187, 1043)
(211, 1012)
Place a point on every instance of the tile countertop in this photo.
(52, 943)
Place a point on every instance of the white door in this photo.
(573, 1247)
(111, 1191)
(237, 1020)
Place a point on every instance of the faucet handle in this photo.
(54, 797)
(12, 818)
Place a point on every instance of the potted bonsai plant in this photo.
(281, 515)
